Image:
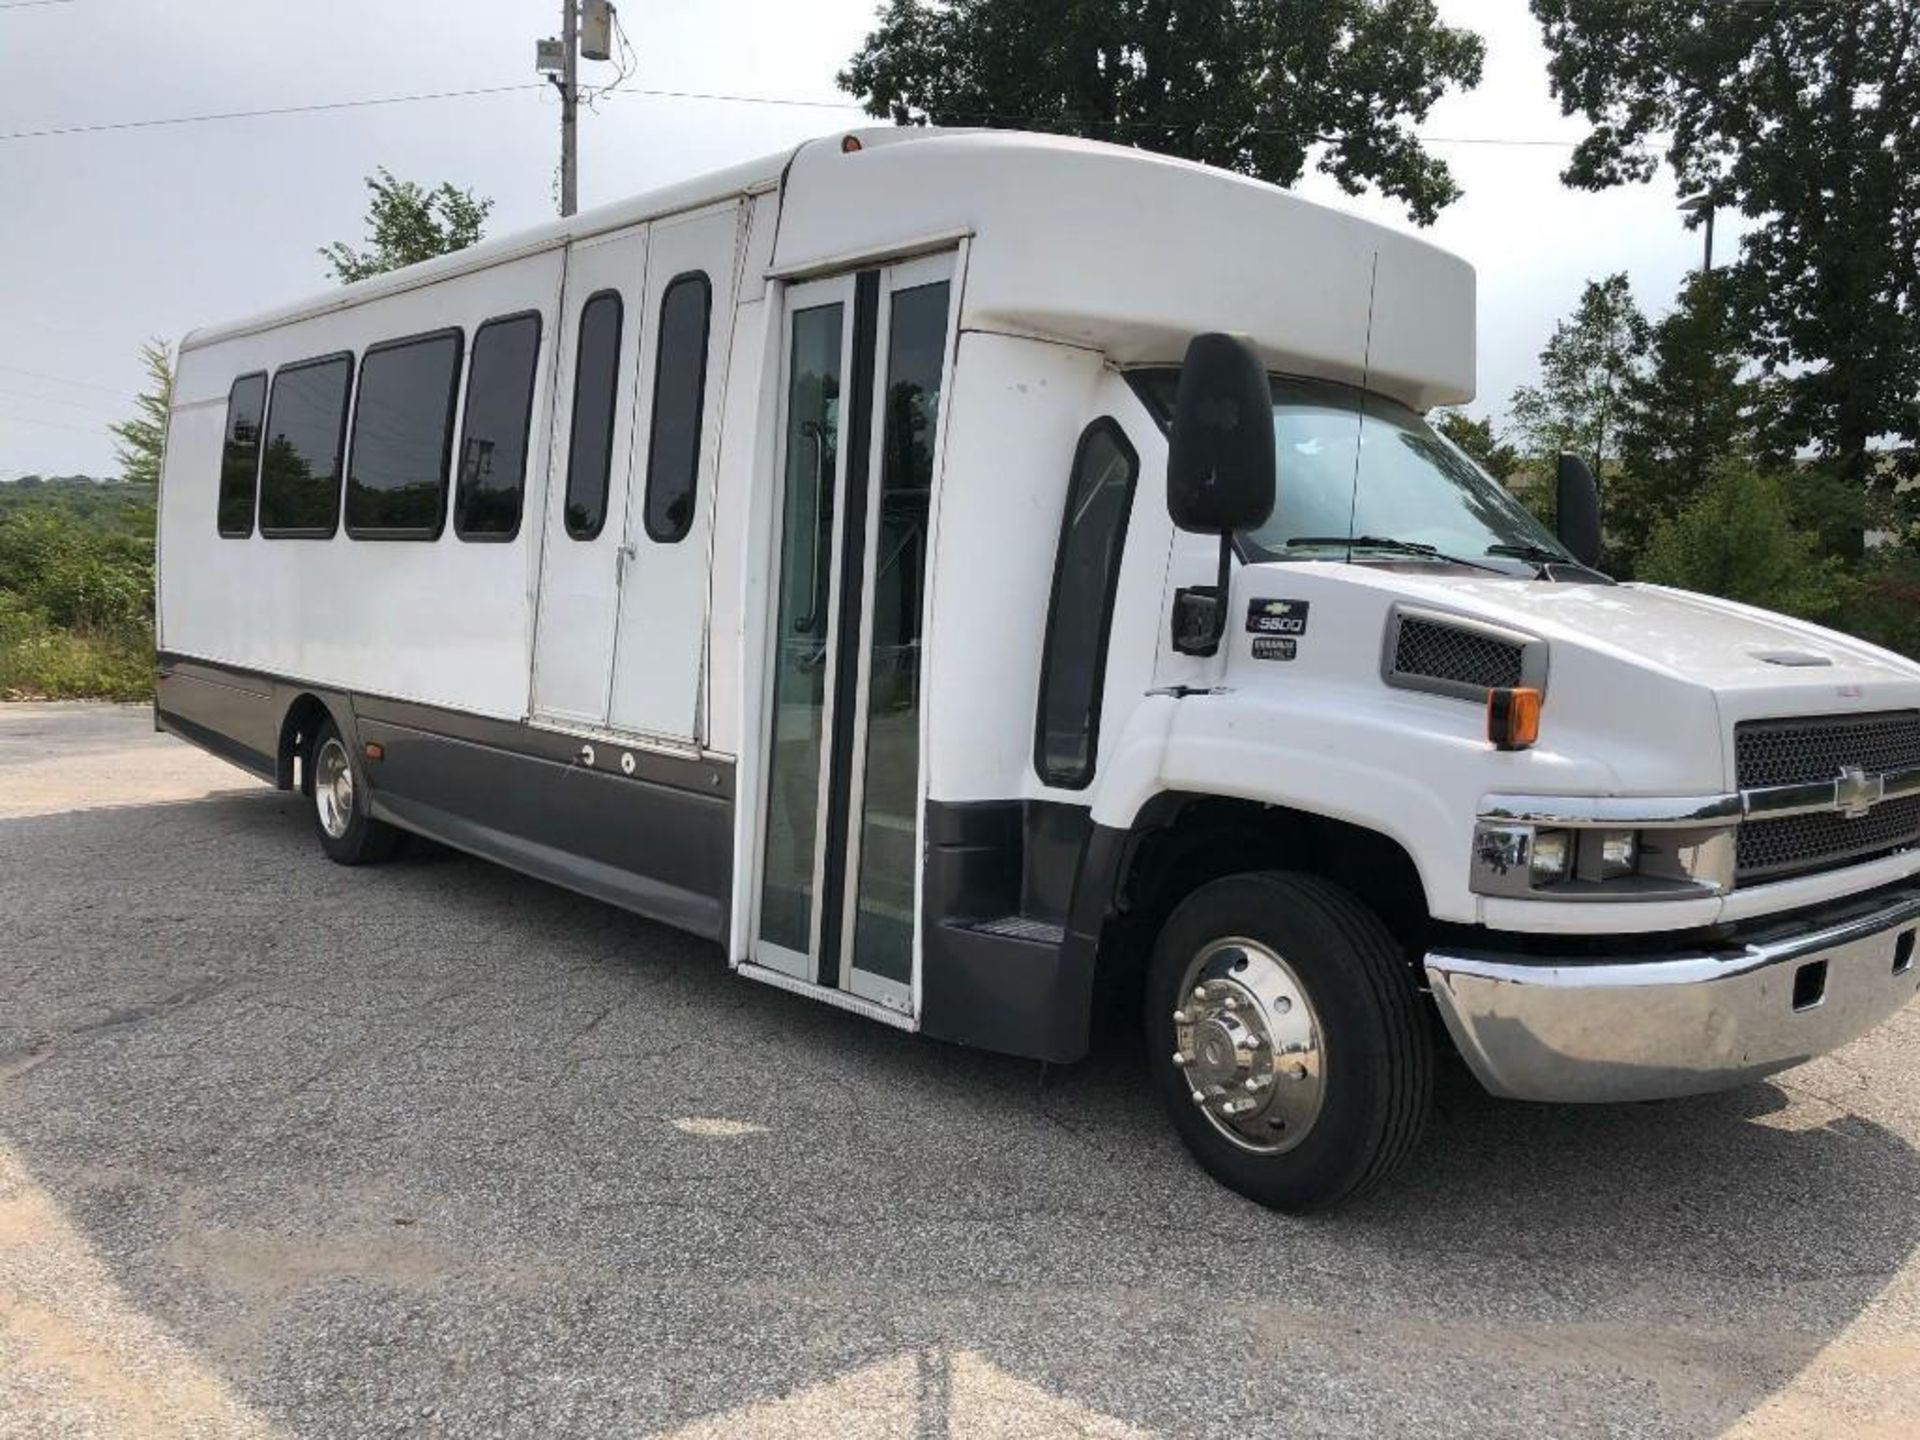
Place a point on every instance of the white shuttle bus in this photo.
(964, 574)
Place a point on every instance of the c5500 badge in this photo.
(1277, 617)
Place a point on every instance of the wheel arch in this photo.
(1132, 879)
(300, 720)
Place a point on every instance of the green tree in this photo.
(1805, 117)
(1738, 537)
(1257, 86)
(138, 443)
(408, 223)
(1584, 371)
(1480, 441)
(1686, 410)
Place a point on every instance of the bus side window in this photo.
(240, 455)
(306, 433)
(596, 374)
(493, 435)
(403, 438)
(1073, 664)
(679, 395)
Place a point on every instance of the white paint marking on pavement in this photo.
(710, 1127)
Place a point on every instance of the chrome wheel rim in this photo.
(1249, 1047)
(333, 788)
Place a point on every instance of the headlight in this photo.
(1525, 860)
(1551, 857)
(1619, 853)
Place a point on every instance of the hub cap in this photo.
(1248, 1043)
(333, 788)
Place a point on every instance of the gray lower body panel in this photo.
(657, 840)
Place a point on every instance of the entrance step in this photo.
(1019, 927)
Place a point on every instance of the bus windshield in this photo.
(1360, 472)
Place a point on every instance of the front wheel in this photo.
(348, 834)
(1287, 1040)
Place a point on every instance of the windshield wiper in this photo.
(1538, 554)
(1398, 547)
(1548, 559)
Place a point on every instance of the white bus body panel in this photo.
(443, 623)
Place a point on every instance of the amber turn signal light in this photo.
(1513, 717)
(375, 750)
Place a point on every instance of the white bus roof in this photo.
(1072, 240)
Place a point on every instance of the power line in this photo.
(721, 97)
(63, 380)
(95, 129)
(95, 430)
(29, 4)
(84, 406)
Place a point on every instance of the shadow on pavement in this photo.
(435, 1148)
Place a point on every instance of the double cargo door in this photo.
(620, 627)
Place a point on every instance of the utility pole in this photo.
(569, 107)
(559, 61)
(1703, 206)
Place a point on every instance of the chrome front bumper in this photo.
(1682, 1023)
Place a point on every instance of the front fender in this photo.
(1382, 764)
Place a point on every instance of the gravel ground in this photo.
(433, 1149)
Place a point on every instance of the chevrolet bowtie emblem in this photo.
(1856, 792)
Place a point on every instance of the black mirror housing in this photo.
(1220, 466)
(1577, 498)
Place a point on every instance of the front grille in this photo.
(1447, 652)
(1818, 748)
(1800, 844)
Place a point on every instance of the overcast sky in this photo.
(109, 237)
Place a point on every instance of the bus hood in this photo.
(1724, 646)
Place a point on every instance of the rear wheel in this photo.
(1287, 1040)
(348, 834)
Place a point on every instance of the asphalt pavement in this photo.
(433, 1149)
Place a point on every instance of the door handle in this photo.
(623, 557)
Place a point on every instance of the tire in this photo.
(1240, 955)
(337, 788)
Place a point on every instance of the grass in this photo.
(76, 591)
(41, 661)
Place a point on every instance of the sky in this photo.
(108, 237)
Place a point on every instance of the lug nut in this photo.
(1199, 1098)
(1180, 1017)
(1250, 1085)
(1231, 1003)
(1282, 1005)
(1182, 1059)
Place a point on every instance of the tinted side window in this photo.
(596, 376)
(240, 455)
(493, 436)
(306, 430)
(403, 437)
(679, 394)
(1073, 666)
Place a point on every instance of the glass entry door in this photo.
(865, 358)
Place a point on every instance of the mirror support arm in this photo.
(1200, 611)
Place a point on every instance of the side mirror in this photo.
(1220, 445)
(1219, 470)
(1578, 502)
